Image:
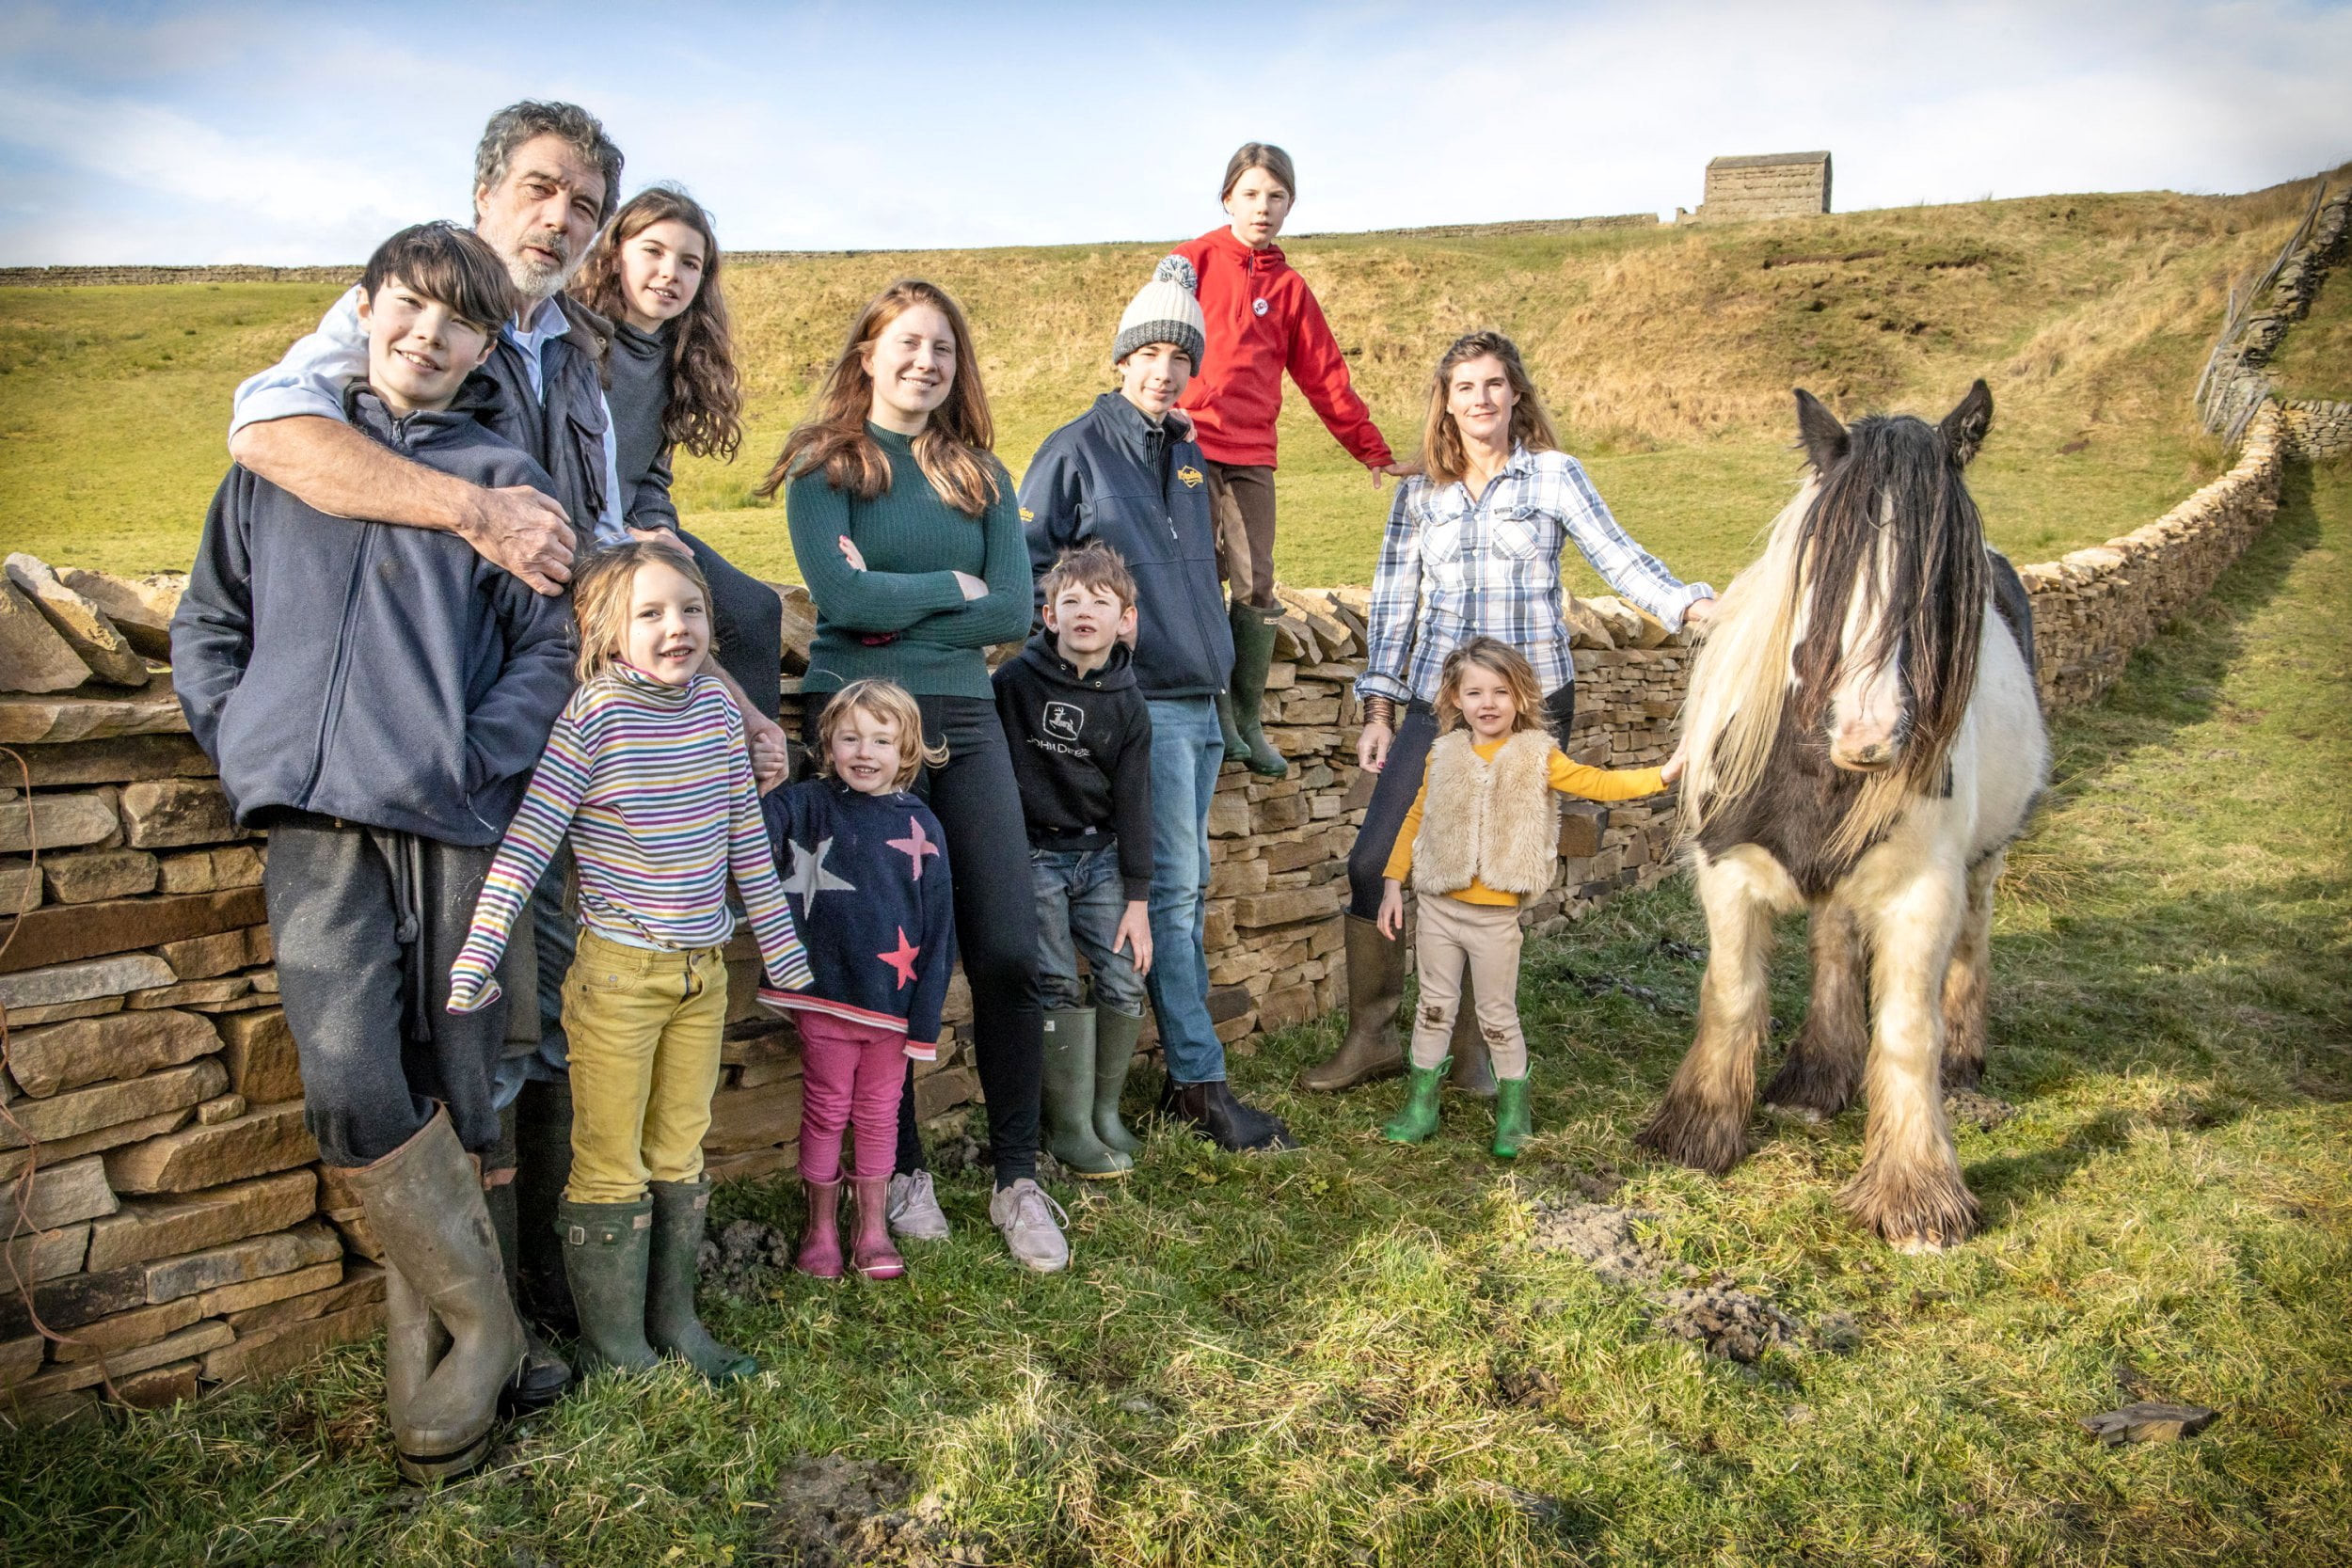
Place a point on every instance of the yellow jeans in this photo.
(644, 1029)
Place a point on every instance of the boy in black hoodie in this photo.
(376, 697)
(1081, 741)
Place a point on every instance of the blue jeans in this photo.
(1080, 899)
(1187, 749)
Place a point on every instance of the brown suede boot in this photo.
(1474, 1069)
(1375, 984)
(870, 1252)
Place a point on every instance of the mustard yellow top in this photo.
(1568, 777)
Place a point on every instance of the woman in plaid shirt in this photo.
(1472, 549)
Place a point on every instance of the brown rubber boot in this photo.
(1474, 1069)
(1375, 984)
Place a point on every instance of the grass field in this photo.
(1667, 354)
(1353, 1356)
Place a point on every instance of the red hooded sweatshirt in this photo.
(1263, 319)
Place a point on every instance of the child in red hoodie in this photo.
(1263, 319)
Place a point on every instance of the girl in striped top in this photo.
(647, 774)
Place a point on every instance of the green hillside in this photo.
(1666, 354)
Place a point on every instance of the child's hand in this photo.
(1673, 770)
(771, 759)
(1392, 921)
(1135, 934)
(470, 987)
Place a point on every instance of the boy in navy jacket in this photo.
(1122, 474)
(376, 696)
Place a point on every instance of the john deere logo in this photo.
(1190, 475)
(1027, 516)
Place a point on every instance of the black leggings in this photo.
(747, 619)
(978, 805)
(1400, 781)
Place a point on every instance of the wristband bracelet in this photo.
(1380, 710)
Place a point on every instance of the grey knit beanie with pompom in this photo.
(1165, 311)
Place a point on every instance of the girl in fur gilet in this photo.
(1481, 838)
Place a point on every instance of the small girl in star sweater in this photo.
(869, 890)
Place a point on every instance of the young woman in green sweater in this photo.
(908, 537)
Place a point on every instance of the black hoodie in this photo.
(1082, 754)
(386, 676)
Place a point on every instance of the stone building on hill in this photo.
(1768, 186)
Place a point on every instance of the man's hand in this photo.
(772, 760)
(1372, 747)
(1135, 934)
(524, 530)
(1392, 921)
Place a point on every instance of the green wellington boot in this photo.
(1236, 747)
(1069, 1098)
(671, 1324)
(1115, 1036)
(1253, 654)
(1512, 1126)
(606, 1249)
(1417, 1118)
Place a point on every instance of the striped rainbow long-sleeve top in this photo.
(655, 787)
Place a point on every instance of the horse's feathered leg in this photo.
(1965, 981)
(1910, 1189)
(1818, 1076)
(1703, 1120)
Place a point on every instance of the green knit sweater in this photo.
(913, 544)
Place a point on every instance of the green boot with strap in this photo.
(1417, 1118)
(1253, 656)
(1512, 1127)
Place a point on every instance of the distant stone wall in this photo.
(2235, 381)
(90, 278)
(2315, 431)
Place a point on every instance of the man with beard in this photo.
(545, 178)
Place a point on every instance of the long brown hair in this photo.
(954, 448)
(1497, 657)
(706, 411)
(1442, 456)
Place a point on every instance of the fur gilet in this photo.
(1497, 822)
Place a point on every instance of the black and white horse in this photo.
(1863, 739)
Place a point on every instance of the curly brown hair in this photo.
(954, 448)
(705, 409)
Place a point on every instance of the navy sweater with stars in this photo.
(871, 898)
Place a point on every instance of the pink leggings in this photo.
(851, 1075)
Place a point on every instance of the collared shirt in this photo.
(1454, 566)
(311, 377)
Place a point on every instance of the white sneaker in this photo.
(913, 1208)
(1032, 1223)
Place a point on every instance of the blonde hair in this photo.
(1442, 456)
(600, 598)
(1497, 657)
(952, 450)
(884, 700)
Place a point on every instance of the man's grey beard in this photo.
(537, 283)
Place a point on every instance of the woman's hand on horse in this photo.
(1392, 921)
(850, 553)
(1372, 747)
(1699, 612)
(974, 588)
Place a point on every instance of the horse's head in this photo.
(1888, 585)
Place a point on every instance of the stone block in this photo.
(53, 1413)
(45, 1255)
(1285, 1006)
(119, 759)
(150, 1228)
(748, 1118)
(96, 1141)
(94, 639)
(234, 1262)
(201, 958)
(1235, 1030)
(202, 994)
(752, 1164)
(260, 1052)
(167, 813)
(1219, 926)
(140, 608)
(59, 935)
(269, 1138)
(141, 1326)
(55, 821)
(1581, 831)
(20, 883)
(274, 1351)
(1229, 815)
(33, 657)
(95, 874)
(223, 1300)
(158, 1387)
(76, 1111)
(1299, 855)
(194, 1341)
(1272, 816)
(120, 1045)
(71, 1300)
(1234, 876)
(1259, 909)
(362, 1283)
(62, 984)
(21, 1358)
(230, 866)
(1226, 1003)
(944, 1091)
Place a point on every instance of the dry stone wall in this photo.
(169, 1228)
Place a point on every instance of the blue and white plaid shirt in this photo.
(1453, 567)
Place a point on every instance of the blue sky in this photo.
(292, 133)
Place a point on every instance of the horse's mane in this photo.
(1893, 521)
